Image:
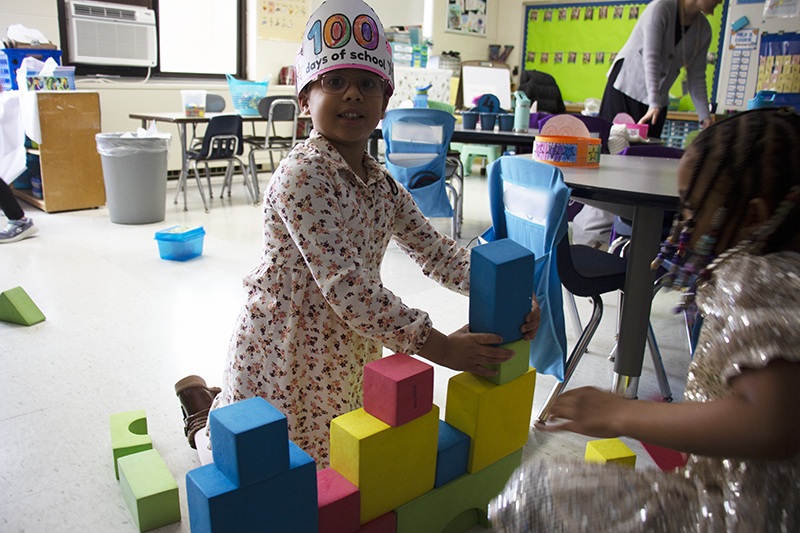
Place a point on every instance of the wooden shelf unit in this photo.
(71, 171)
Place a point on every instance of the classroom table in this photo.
(641, 189)
(181, 120)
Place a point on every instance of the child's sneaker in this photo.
(16, 230)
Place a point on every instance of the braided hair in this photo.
(749, 155)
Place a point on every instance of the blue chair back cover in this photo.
(528, 202)
(416, 151)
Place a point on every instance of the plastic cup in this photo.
(469, 119)
(505, 121)
(488, 120)
(194, 103)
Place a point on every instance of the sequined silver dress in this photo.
(751, 315)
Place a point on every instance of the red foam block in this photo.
(383, 524)
(398, 389)
(665, 458)
(339, 503)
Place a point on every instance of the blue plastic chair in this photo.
(528, 202)
(417, 140)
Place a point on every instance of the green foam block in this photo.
(514, 367)
(128, 435)
(18, 308)
(149, 490)
(450, 507)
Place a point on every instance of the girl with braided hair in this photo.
(735, 245)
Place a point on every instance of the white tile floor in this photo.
(123, 325)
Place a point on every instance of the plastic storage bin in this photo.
(194, 103)
(135, 176)
(180, 243)
(247, 94)
(11, 59)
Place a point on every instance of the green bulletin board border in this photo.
(579, 81)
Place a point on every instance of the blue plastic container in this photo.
(11, 59)
(180, 243)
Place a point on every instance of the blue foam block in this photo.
(452, 454)
(501, 288)
(249, 441)
(284, 502)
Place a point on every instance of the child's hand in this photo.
(587, 411)
(462, 350)
(531, 325)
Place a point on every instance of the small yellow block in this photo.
(496, 417)
(390, 465)
(609, 451)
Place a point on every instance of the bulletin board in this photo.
(577, 43)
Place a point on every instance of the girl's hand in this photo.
(706, 123)
(650, 116)
(587, 411)
(531, 325)
(463, 350)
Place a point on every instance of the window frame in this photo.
(133, 73)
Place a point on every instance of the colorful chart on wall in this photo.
(283, 20)
(467, 17)
(577, 44)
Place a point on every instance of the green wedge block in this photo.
(459, 505)
(149, 490)
(128, 435)
(18, 308)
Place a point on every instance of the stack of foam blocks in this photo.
(394, 465)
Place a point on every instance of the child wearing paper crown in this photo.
(735, 247)
(316, 310)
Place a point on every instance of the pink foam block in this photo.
(339, 503)
(398, 389)
(665, 458)
(383, 524)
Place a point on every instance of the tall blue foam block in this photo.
(452, 454)
(501, 288)
(284, 502)
(249, 441)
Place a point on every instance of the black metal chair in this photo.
(222, 142)
(275, 109)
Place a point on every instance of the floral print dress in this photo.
(316, 309)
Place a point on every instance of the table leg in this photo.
(635, 320)
(183, 178)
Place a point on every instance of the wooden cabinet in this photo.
(72, 175)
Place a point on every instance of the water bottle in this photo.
(522, 112)
(421, 96)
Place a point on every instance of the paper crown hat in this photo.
(343, 34)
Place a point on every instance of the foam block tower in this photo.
(128, 435)
(501, 288)
(276, 481)
(609, 451)
(18, 308)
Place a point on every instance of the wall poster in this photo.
(283, 20)
(467, 17)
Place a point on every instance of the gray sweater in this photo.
(653, 62)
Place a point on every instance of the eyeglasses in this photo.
(370, 86)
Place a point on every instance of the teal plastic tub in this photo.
(180, 243)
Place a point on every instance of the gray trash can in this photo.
(135, 176)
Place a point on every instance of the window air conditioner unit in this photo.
(111, 34)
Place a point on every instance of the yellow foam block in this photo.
(390, 465)
(609, 451)
(496, 417)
